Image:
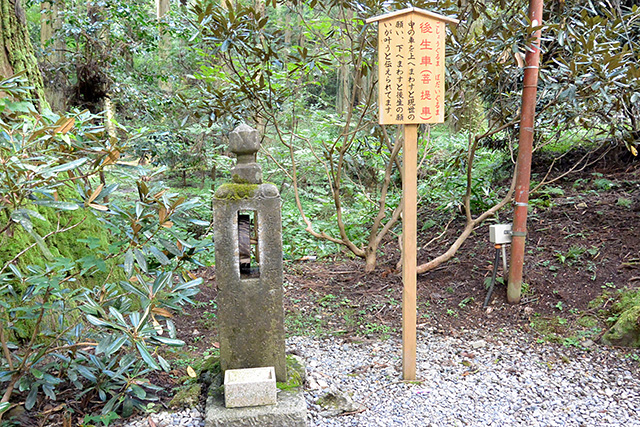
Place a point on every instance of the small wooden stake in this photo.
(409, 249)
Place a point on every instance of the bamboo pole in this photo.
(409, 249)
(523, 170)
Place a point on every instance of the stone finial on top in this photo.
(244, 142)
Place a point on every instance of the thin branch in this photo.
(439, 236)
(572, 169)
(423, 268)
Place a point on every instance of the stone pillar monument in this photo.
(248, 251)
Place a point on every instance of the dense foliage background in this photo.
(104, 192)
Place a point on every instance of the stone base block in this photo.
(249, 387)
(290, 411)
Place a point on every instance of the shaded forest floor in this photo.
(582, 256)
(583, 253)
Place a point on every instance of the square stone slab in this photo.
(250, 387)
(290, 411)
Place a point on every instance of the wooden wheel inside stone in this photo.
(244, 242)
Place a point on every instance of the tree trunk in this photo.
(343, 100)
(162, 8)
(370, 258)
(287, 26)
(16, 51)
(53, 47)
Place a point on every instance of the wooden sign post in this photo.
(411, 91)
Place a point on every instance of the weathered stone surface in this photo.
(296, 370)
(250, 309)
(249, 387)
(335, 402)
(186, 397)
(290, 411)
(244, 142)
(626, 331)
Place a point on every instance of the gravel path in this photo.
(470, 380)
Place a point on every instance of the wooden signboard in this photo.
(411, 66)
(411, 91)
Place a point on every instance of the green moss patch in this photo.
(296, 373)
(626, 331)
(84, 244)
(236, 191)
(187, 397)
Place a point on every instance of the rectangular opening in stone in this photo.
(248, 244)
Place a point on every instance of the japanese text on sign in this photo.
(411, 61)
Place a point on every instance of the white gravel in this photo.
(473, 379)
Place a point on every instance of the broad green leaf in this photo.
(168, 341)
(139, 209)
(4, 407)
(31, 397)
(129, 287)
(139, 392)
(115, 345)
(115, 313)
(142, 261)
(48, 390)
(108, 407)
(189, 284)
(65, 167)
(63, 206)
(164, 364)
(171, 247)
(171, 327)
(85, 372)
(146, 356)
(103, 344)
(99, 322)
(16, 272)
(159, 255)
(128, 262)
(161, 282)
(30, 213)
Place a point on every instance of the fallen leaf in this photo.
(191, 372)
(98, 207)
(161, 312)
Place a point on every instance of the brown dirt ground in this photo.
(581, 245)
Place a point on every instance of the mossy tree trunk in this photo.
(16, 51)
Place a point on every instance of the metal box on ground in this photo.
(500, 234)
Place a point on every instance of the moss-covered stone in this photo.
(626, 331)
(296, 373)
(187, 397)
(211, 365)
(236, 191)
